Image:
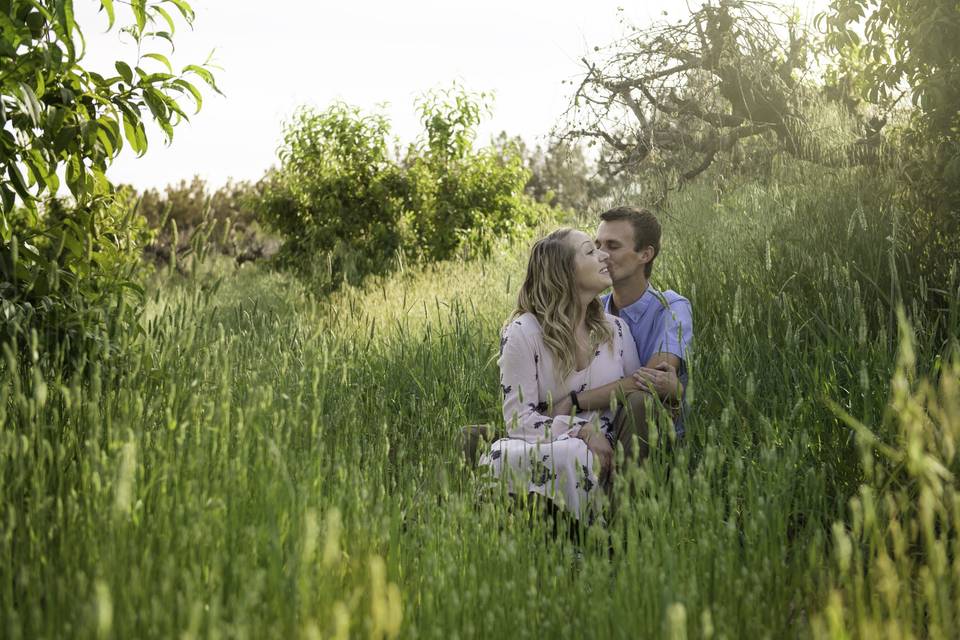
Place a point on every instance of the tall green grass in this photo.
(266, 463)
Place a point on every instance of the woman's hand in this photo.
(662, 380)
(597, 442)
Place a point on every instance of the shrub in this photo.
(460, 197)
(65, 267)
(337, 198)
(73, 271)
(347, 209)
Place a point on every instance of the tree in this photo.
(896, 52)
(675, 95)
(347, 209)
(56, 114)
(337, 197)
(59, 118)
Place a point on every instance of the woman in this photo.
(557, 343)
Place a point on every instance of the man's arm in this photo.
(660, 372)
(660, 376)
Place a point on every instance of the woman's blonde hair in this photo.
(549, 292)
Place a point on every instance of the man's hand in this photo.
(662, 380)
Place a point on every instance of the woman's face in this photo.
(590, 264)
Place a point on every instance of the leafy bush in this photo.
(72, 271)
(459, 196)
(347, 209)
(337, 198)
(885, 52)
(67, 267)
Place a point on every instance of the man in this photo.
(661, 323)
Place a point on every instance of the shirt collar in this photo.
(634, 312)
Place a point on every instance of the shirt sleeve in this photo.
(630, 358)
(523, 412)
(678, 329)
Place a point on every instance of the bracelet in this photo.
(575, 401)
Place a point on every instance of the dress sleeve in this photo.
(523, 411)
(629, 356)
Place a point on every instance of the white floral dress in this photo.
(540, 454)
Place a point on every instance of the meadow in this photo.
(265, 462)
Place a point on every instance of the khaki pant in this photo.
(640, 414)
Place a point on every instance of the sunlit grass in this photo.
(264, 463)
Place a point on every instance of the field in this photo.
(267, 463)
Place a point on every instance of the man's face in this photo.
(616, 239)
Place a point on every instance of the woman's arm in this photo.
(525, 415)
(600, 398)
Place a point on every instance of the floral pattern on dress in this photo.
(542, 454)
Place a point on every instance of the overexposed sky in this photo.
(280, 54)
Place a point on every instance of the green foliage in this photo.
(337, 198)
(71, 271)
(910, 49)
(347, 209)
(266, 463)
(560, 174)
(224, 217)
(460, 196)
(57, 116)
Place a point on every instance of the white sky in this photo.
(280, 54)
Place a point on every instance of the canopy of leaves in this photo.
(56, 114)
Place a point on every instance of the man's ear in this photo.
(646, 254)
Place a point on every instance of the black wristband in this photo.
(575, 401)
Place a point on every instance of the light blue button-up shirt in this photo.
(661, 322)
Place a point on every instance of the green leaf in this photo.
(107, 5)
(204, 74)
(19, 184)
(162, 59)
(173, 105)
(192, 90)
(162, 34)
(141, 138)
(76, 180)
(64, 138)
(65, 16)
(30, 103)
(156, 106)
(130, 133)
(125, 72)
(105, 141)
(139, 8)
(185, 10)
(159, 10)
(8, 198)
(153, 78)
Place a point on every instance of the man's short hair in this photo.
(646, 229)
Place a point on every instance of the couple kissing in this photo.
(583, 374)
